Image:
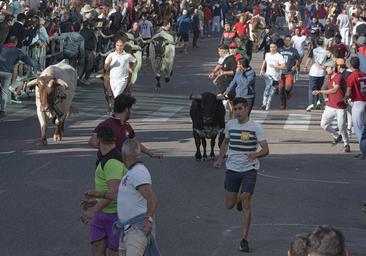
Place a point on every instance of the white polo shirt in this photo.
(130, 202)
(119, 65)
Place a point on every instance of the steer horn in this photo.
(221, 97)
(62, 83)
(32, 82)
(195, 97)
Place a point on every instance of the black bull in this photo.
(208, 119)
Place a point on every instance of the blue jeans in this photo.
(5, 81)
(268, 90)
(315, 83)
(363, 142)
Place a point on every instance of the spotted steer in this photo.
(55, 90)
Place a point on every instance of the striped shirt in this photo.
(243, 140)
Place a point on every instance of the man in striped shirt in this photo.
(242, 137)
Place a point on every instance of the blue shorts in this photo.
(245, 180)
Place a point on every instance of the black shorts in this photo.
(245, 180)
(184, 37)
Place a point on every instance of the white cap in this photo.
(184, 12)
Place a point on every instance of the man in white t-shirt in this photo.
(242, 137)
(343, 23)
(120, 66)
(271, 70)
(136, 201)
(316, 74)
(299, 42)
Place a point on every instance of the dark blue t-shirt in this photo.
(290, 55)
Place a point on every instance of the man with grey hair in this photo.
(136, 204)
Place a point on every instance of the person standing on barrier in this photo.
(10, 55)
(242, 138)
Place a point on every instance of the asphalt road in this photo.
(304, 182)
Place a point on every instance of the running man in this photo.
(291, 57)
(242, 138)
(336, 108)
(356, 91)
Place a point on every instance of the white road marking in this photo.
(258, 116)
(162, 114)
(305, 180)
(89, 123)
(298, 122)
(7, 152)
(20, 114)
(40, 167)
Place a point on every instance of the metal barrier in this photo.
(41, 53)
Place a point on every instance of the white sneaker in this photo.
(309, 108)
(267, 107)
(318, 104)
(16, 101)
(12, 89)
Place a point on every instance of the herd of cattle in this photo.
(56, 87)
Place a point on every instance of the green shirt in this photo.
(110, 167)
(243, 53)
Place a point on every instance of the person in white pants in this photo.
(343, 23)
(119, 63)
(271, 70)
(336, 107)
(356, 91)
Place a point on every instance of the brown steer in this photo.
(55, 90)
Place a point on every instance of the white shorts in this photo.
(118, 85)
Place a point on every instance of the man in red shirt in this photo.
(356, 91)
(207, 19)
(342, 49)
(118, 122)
(241, 27)
(336, 107)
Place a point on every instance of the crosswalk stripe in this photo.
(258, 116)
(297, 122)
(19, 115)
(162, 114)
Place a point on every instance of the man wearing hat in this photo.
(233, 48)
(344, 71)
(335, 106)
